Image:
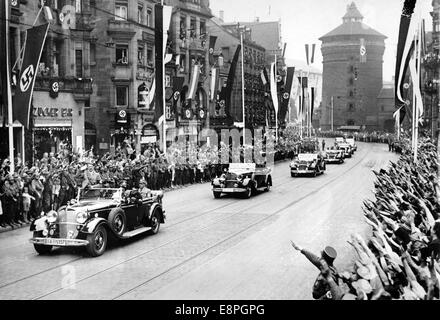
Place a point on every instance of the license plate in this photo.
(59, 242)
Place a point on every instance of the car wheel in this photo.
(217, 194)
(117, 221)
(41, 249)
(269, 184)
(248, 193)
(97, 242)
(155, 222)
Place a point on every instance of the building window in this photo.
(141, 55)
(121, 10)
(141, 13)
(79, 63)
(78, 5)
(93, 53)
(150, 57)
(192, 28)
(203, 29)
(122, 54)
(382, 108)
(350, 122)
(121, 96)
(350, 81)
(350, 107)
(182, 63)
(149, 17)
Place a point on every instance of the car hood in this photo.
(92, 205)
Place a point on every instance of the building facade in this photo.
(63, 86)
(351, 85)
(228, 39)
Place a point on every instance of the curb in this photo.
(9, 228)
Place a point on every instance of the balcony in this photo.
(81, 86)
(121, 29)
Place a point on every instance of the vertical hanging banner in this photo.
(194, 81)
(214, 83)
(312, 102)
(307, 54)
(287, 92)
(230, 82)
(313, 53)
(363, 51)
(162, 25)
(273, 86)
(15, 4)
(177, 88)
(3, 72)
(33, 47)
(405, 46)
(212, 41)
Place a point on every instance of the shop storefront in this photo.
(57, 123)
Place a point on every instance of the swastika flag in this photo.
(35, 38)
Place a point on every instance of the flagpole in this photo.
(276, 111)
(9, 95)
(242, 87)
(163, 97)
(301, 103)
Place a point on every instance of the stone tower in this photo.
(354, 83)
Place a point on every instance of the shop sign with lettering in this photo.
(52, 112)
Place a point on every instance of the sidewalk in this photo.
(9, 228)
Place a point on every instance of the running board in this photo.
(131, 234)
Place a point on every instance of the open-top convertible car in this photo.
(243, 178)
(308, 163)
(334, 156)
(346, 148)
(96, 213)
(352, 143)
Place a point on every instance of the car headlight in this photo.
(52, 216)
(82, 217)
(216, 182)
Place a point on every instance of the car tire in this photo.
(155, 222)
(292, 175)
(41, 249)
(248, 193)
(217, 194)
(117, 221)
(97, 242)
(269, 184)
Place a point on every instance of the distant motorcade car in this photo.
(339, 140)
(244, 179)
(94, 215)
(308, 164)
(334, 156)
(346, 149)
(352, 143)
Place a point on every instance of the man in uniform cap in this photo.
(326, 284)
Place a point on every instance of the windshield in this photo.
(99, 194)
(307, 157)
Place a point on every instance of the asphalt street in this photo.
(228, 248)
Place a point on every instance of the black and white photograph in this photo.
(219, 154)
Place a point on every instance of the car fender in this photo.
(156, 206)
(94, 223)
(39, 224)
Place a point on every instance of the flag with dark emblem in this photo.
(162, 25)
(405, 47)
(230, 82)
(33, 47)
(212, 40)
(287, 91)
(363, 51)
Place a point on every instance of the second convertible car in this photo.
(96, 214)
(308, 163)
(244, 179)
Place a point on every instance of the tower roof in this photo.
(353, 25)
(352, 14)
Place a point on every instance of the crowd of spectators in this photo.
(375, 137)
(401, 258)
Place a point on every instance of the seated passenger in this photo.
(144, 191)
